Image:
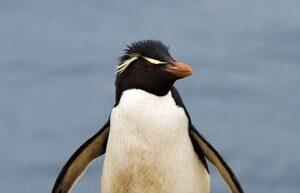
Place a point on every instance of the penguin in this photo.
(149, 140)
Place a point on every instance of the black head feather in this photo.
(150, 48)
(140, 73)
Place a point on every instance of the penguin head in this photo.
(148, 65)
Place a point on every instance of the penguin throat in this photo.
(159, 90)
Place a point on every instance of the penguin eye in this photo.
(149, 67)
(134, 56)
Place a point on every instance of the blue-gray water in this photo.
(57, 64)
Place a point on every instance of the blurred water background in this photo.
(57, 64)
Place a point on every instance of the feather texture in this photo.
(133, 57)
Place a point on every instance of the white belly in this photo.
(149, 149)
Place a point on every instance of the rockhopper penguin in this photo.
(150, 142)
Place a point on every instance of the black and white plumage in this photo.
(150, 142)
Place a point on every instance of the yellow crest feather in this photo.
(133, 57)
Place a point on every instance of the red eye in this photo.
(150, 67)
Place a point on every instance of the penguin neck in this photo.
(158, 90)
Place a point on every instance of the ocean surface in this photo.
(57, 70)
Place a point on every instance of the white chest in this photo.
(149, 149)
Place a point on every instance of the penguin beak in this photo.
(179, 69)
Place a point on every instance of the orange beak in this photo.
(179, 69)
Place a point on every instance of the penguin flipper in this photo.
(215, 158)
(80, 160)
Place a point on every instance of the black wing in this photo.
(215, 158)
(80, 160)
